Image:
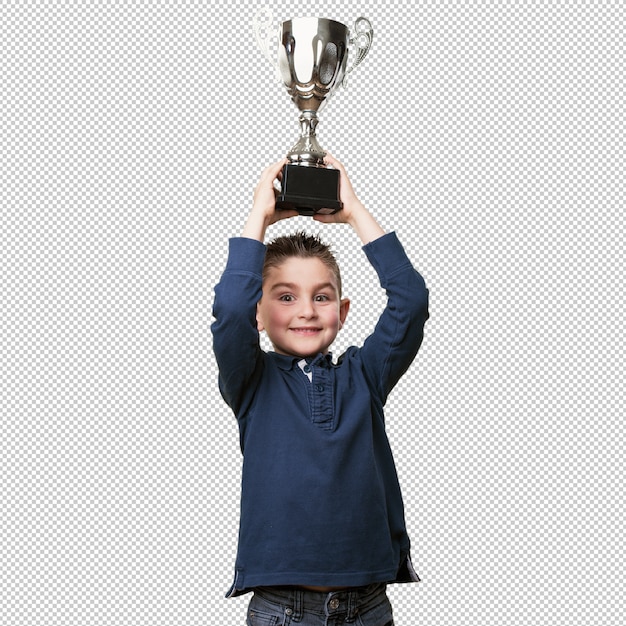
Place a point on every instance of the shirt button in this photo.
(319, 387)
(334, 604)
(307, 368)
(288, 611)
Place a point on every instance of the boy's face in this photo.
(300, 309)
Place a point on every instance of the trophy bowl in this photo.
(312, 62)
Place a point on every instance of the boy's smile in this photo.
(301, 309)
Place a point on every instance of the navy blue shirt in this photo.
(320, 501)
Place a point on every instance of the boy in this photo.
(322, 520)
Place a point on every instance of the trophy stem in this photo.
(307, 150)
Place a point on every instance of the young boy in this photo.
(322, 526)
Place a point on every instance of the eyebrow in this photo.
(294, 286)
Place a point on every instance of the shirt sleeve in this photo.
(235, 335)
(390, 349)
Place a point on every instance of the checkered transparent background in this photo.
(489, 135)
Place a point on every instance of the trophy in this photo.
(312, 62)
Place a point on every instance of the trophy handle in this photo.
(266, 34)
(361, 37)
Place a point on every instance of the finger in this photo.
(329, 159)
(274, 169)
(271, 172)
(284, 214)
(326, 218)
(322, 218)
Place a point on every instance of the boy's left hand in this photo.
(353, 211)
(347, 196)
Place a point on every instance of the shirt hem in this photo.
(241, 587)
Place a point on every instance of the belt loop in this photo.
(352, 606)
(298, 608)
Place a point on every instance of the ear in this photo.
(259, 320)
(344, 307)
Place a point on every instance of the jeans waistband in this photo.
(345, 601)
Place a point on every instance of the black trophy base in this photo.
(309, 190)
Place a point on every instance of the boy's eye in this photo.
(322, 297)
(287, 297)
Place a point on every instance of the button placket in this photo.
(321, 397)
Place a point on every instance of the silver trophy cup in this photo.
(312, 62)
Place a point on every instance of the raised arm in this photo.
(235, 333)
(389, 350)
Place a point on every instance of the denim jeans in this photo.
(290, 606)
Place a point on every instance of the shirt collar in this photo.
(287, 362)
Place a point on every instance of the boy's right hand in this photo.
(264, 211)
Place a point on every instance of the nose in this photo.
(307, 309)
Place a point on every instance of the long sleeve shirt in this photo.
(320, 501)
